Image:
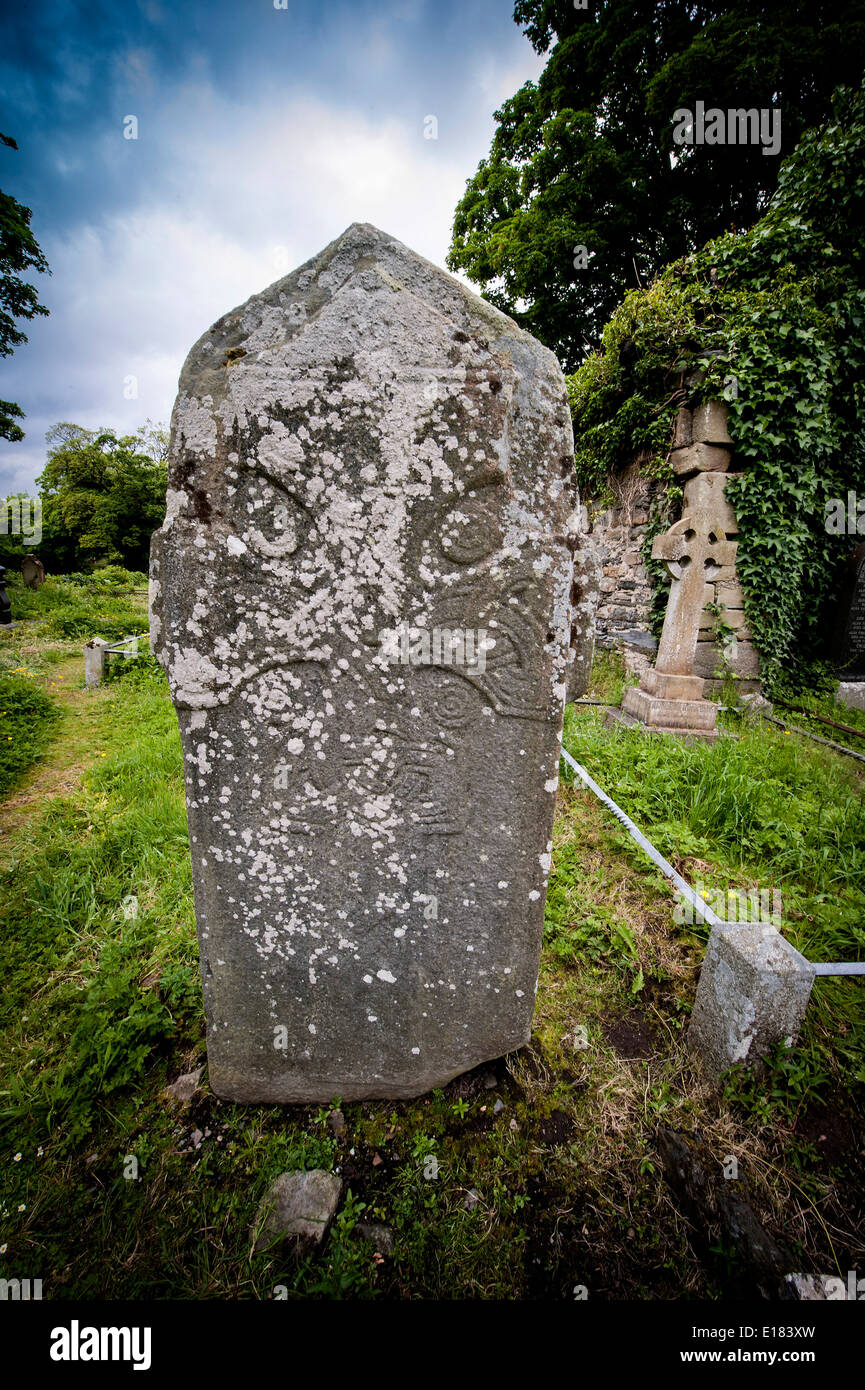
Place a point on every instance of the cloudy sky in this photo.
(262, 133)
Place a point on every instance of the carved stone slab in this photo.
(362, 597)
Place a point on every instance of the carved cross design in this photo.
(694, 551)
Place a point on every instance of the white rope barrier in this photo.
(702, 909)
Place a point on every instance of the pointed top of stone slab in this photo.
(363, 259)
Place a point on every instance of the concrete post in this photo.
(94, 661)
(753, 991)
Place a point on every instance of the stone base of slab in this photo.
(676, 714)
(310, 1088)
(616, 718)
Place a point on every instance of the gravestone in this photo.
(362, 597)
(32, 572)
(850, 637)
(5, 605)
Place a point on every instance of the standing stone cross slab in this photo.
(694, 551)
(371, 838)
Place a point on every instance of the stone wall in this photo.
(625, 594)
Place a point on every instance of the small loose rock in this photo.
(181, 1091)
(297, 1207)
(336, 1123)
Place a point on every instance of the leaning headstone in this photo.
(5, 604)
(850, 638)
(32, 572)
(361, 594)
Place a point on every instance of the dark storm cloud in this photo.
(262, 133)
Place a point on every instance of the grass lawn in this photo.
(529, 1178)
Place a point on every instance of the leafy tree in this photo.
(586, 157)
(102, 496)
(19, 251)
(775, 318)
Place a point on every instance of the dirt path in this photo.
(77, 739)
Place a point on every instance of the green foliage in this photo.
(27, 715)
(138, 668)
(118, 1024)
(763, 799)
(349, 1260)
(67, 607)
(775, 320)
(19, 251)
(100, 1008)
(103, 496)
(607, 681)
(101, 909)
(582, 157)
(790, 1080)
(110, 578)
(623, 399)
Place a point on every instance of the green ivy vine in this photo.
(774, 320)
